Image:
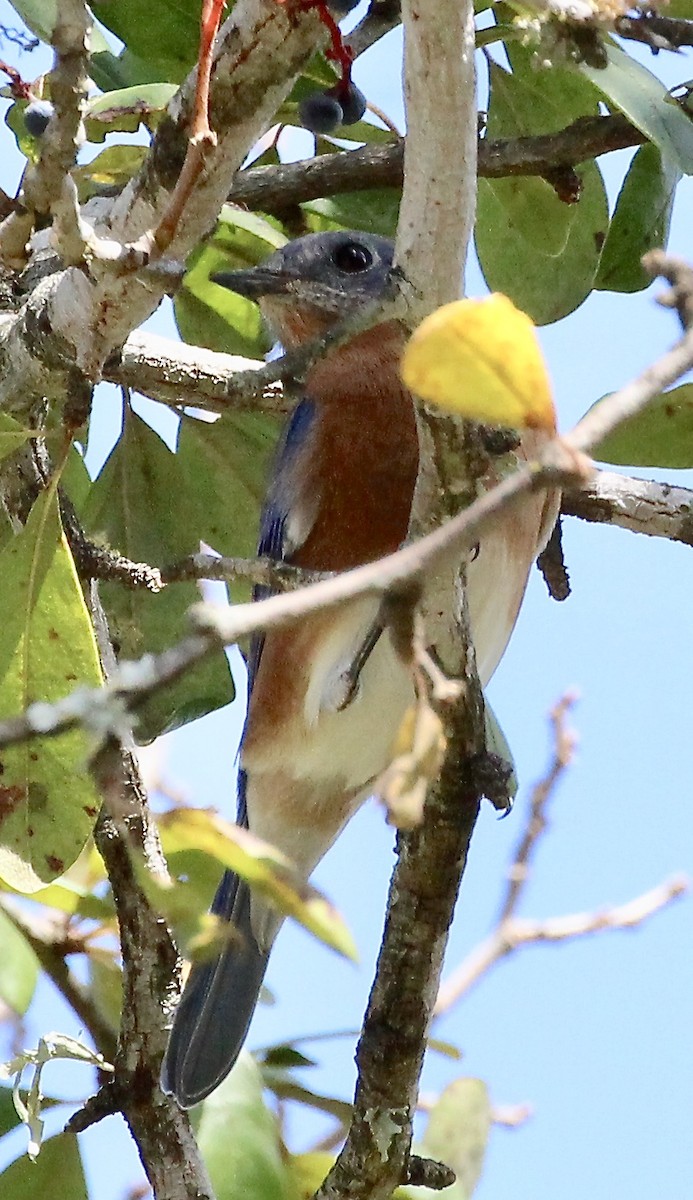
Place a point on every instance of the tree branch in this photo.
(276, 187)
(436, 215)
(431, 859)
(640, 505)
(47, 186)
(657, 32)
(177, 374)
(160, 1128)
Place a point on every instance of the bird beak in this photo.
(255, 282)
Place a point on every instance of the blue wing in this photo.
(274, 541)
(215, 1010)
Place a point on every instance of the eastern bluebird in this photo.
(327, 698)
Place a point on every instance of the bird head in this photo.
(314, 281)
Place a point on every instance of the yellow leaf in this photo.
(259, 864)
(481, 359)
(418, 756)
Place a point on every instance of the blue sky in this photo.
(594, 1035)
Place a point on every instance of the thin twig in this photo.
(262, 572)
(563, 749)
(202, 139)
(512, 932)
(52, 947)
(517, 932)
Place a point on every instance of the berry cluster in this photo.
(323, 112)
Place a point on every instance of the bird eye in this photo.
(352, 257)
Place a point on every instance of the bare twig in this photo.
(202, 138)
(679, 274)
(517, 932)
(178, 375)
(512, 932)
(511, 1116)
(563, 750)
(382, 16)
(439, 156)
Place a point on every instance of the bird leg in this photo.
(349, 679)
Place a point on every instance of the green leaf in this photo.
(226, 465)
(239, 1139)
(57, 1171)
(68, 898)
(12, 435)
(8, 1113)
(124, 110)
(309, 1170)
(542, 253)
(38, 15)
(640, 222)
(457, 1134)
(284, 1057)
(18, 966)
(48, 802)
(112, 168)
(163, 34)
(262, 866)
(75, 478)
(26, 144)
(645, 101)
(374, 211)
(661, 435)
(9, 1117)
(139, 505)
(213, 316)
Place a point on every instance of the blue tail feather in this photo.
(218, 1001)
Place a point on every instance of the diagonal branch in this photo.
(515, 932)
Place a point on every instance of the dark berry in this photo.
(320, 113)
(340, 8)
(36, 117)
(351, 101)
